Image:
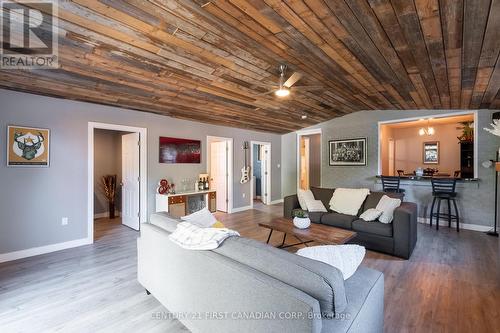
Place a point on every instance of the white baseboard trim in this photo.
(105, 214)
(34, 251)
(274, 202)
(466, 226)
(240, 209)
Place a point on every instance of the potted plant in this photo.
(301, 219)
(467, 131)
(109, 190)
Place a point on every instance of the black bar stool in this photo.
(444, 189)
(391, 184)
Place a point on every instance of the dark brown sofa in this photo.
(397, 238)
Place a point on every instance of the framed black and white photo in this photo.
(431, 152)
(347, 152)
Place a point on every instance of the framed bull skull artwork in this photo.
(28, 146)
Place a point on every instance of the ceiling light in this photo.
(427, 130)
(282, 92)
(303, 116)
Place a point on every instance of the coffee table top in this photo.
(316, 232)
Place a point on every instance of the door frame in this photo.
(269, 172)
(230, 163)
(143, 171)
(304, 133)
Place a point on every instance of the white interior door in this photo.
(264, 174)
(130, 180)
(219, 172)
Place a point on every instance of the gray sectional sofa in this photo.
(397, 238)
(249, 286)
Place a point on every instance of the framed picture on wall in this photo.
(28, 146)
(175, 150)
(431, 152)
(347, 152)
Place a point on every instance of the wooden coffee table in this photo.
(315, 233)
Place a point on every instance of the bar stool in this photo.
(391, 184)
(444, 189)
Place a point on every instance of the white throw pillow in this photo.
(371, 214)
(316, 206)
(202, 218)
(387, 206)
(305, 196)
(346, 258)
(348, 200)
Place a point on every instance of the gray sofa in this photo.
(397, 238)
(249, 286)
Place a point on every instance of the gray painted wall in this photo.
(33, 201)
(107, 161)
(476, 202)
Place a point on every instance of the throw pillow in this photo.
(316, 206)
(346, 258)
(202, 218)
(304, 197)
(371, 214)
(348, 200)
(387, 206)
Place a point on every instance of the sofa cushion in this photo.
(338, 220)
(373, 198)
(323, 194)
(165, 221)
(315, 217)
(319, 280)
(348, 200)
(374, 227)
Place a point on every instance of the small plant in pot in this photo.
(301, 219)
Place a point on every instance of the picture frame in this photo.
(431, 152)
(177, 150)
(347, 152)
(28, 146)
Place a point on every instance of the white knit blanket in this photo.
(192, 237)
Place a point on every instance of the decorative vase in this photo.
(111, 207)
(301, 222)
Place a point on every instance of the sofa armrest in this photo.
(290, 203)
(405, 229)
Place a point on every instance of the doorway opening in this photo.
(220, 170)
(309, 159)
(260, 161)
(116, 162)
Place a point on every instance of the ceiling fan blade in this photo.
(292, 79)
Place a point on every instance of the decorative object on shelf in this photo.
(301, 219)
(431, 152)
(163, 187)
(427, 130)
(245, 171)
(28, 146)
(419, 172)
(174, 150)
(109, 190)
(172, 189)
(467, 131)
(349, 152)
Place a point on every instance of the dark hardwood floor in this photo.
(450, 284)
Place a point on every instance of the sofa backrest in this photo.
(323, 194)
(319, 280)
(374, 197)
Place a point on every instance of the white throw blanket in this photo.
(192, 237)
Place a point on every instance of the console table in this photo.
(184, 203)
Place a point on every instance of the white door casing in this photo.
(219, 172)
(130, 180)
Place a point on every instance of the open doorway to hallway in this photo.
(117, 175)
(309, 160)
(220, 169)
(260, 159)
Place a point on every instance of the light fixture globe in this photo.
(282, 92)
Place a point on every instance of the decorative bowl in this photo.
(301, 222)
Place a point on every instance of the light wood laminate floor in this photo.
(450, 284)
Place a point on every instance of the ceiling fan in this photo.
(285, 86)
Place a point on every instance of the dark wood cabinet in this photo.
(467, 159)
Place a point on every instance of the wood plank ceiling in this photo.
(211, 61)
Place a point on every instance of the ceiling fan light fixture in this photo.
(282, 92)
